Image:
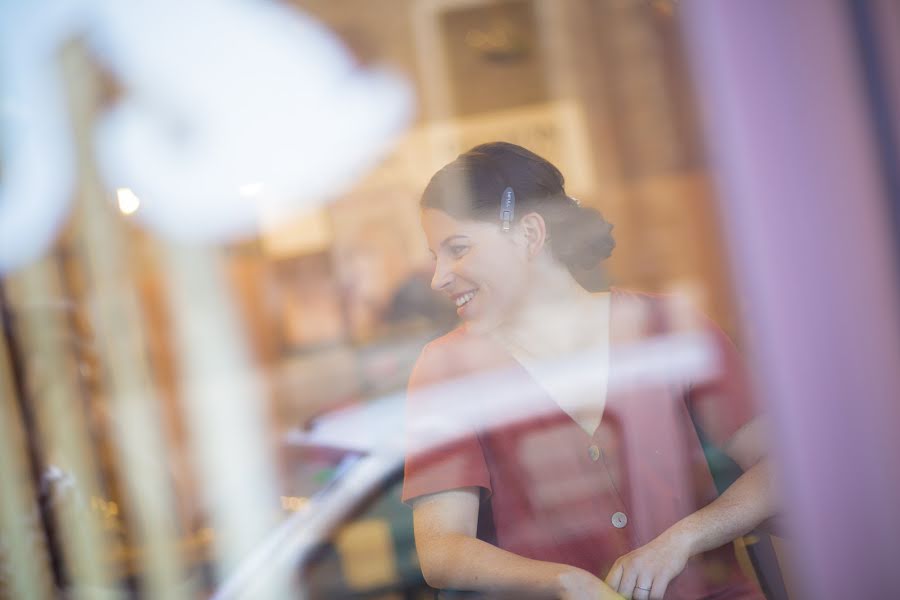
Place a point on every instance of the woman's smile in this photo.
(482, 271)
(462, 300)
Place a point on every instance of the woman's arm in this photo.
(451, 557)
(746, 504)
(749, 501)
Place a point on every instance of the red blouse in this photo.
(551, 491)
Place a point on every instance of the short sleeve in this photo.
(443, 451)
(722, 403)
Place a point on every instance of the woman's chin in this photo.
(478, 324)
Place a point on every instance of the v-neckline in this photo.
(611, 342)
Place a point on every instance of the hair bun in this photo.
(581, 238)
(471, 187)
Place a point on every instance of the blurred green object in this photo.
(325, 573)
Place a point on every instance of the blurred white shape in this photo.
(128, 201)
(668, 360)
(35, 144)
(359, 428)
(265, 94)
(251, 189)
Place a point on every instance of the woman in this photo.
(580, 493)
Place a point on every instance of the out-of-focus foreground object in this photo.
(264, 115)
(805, 179)
(266, 100)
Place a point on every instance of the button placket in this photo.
(618, 519)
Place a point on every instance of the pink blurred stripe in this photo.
(807, 226)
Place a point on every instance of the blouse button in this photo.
(619, 520)
(594, 453)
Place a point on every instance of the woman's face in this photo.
(483, 270)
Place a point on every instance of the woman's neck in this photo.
(557, 317)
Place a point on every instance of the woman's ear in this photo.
(535, 231)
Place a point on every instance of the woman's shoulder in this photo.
(653, 313)
(637, 303)
(632, 295)
(457, 353)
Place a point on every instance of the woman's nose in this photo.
(441, 278)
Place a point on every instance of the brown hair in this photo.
(471, 186)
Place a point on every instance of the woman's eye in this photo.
(458, 251)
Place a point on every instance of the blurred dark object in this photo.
(414, 299)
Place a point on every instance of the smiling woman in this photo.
(583, 487)
(462, 213)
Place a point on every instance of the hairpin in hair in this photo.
(507, 208)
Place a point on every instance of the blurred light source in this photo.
(128, 201)
(251, 189)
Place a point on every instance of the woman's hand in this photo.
(577, 584)
(645, 573)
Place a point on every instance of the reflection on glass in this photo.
(203, 419)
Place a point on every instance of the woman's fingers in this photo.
(659, 587)
(614, 577)
(645, 573)
(642, 588)
(628, 582)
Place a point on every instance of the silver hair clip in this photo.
(507, 208)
